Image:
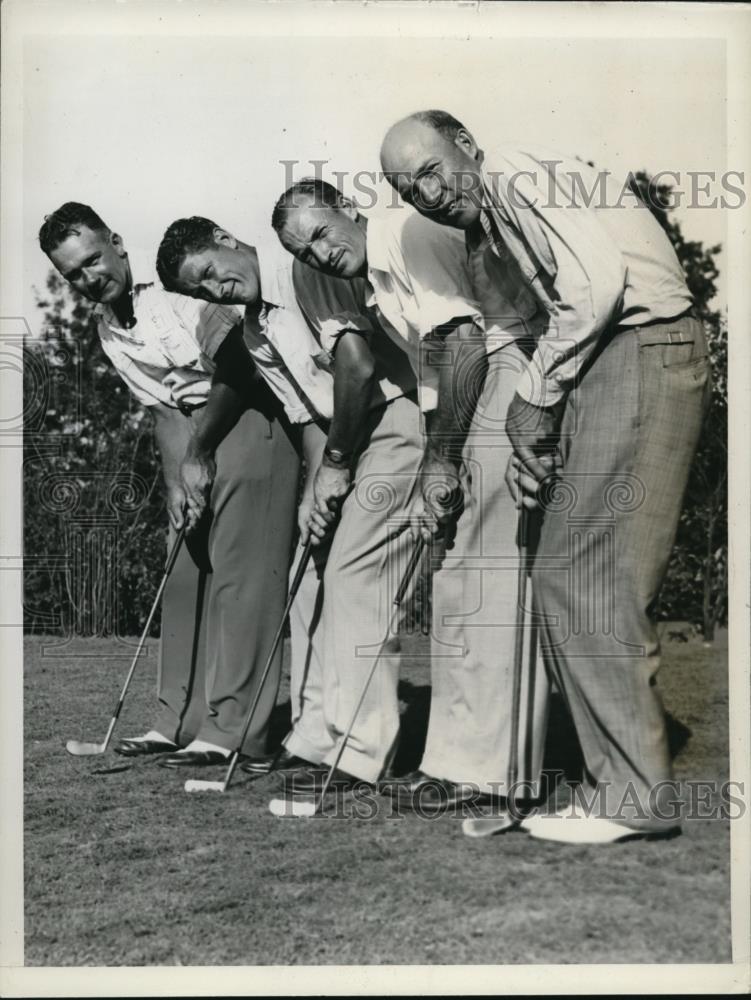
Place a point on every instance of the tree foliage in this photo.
(93, 501)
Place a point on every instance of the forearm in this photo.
(231, 390)
(222, 411)
(313, 442)
(172, 433)
(462, 364)
(354, 381)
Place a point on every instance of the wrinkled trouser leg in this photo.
(474, 617)
(629, 433)
(368, 554)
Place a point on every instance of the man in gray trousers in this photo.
(614, 394)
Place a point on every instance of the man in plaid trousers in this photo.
(614, 394)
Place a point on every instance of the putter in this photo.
(200, 785)
(307, 808)
(79, 749)
(486, 826)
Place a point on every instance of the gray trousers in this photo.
(474, 616)
(226, 594)
(341, 616)
(629, 432)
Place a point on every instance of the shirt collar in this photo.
(375, 245)
(274, 263)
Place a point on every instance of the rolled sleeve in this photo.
(433, 260)
(331, 306)
(207, 322)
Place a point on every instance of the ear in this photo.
(349, 208)
(224, 238)
(117, 242)
(465, 141)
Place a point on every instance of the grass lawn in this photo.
(127, 869)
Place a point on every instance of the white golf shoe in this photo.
(573, 826)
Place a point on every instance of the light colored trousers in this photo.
(474, 616)
(226, 594)
(342, 613)
(629, 433)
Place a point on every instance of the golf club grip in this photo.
(409, 572)
(300, 571)
(175, 550)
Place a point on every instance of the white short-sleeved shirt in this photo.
(423, 278)
(282, 345)
(334, 306)
(167, 357)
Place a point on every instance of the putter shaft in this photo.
(414, 561)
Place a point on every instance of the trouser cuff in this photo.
(300, 747)
(357, 764)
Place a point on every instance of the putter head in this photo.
(488, 826)
(292, 807)
(79, 749)
(199, 785)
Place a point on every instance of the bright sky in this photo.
(147, 129)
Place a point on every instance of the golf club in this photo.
(79, 749)
(307, 808)
(486, 826)
(200, 785)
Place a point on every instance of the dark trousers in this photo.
(226, 594)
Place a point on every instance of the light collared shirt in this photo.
(335, 306)
(282, 345)
(423, 278)
(167, 357)
(590, 266)
(420, 281)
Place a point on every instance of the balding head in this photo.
(431, 160)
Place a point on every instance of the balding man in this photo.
(614, 394)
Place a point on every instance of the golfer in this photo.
(614, 395)
(399, 277)
(361, 484)
(226, 449)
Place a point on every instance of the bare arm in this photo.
(354, 380)
(172, 433)
(231, 390)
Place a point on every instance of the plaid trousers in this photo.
(629, 432)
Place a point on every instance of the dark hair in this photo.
(320, 192)
(67, 221)
(441, 121)
(183, 237)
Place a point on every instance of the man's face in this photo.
(328, 239)
(440, 177)
(222, 272)
(94, 263)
